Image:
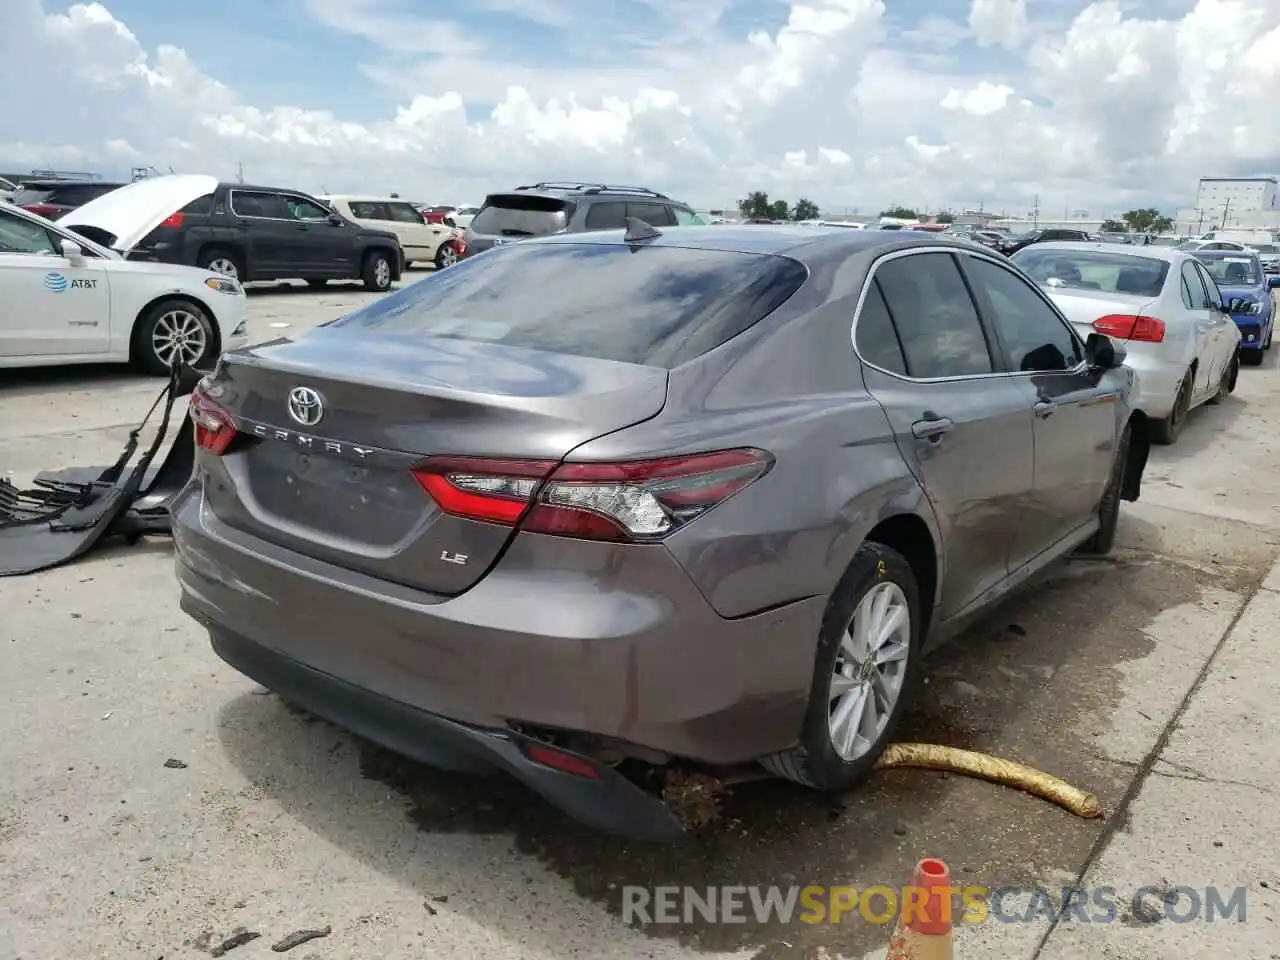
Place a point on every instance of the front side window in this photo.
(659, 306)
(654, 214)
(687, 218)
(22, 236)
(934, 316)
(302, 209)
(1033, 335)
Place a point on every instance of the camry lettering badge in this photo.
(314, 444)
(305, 406)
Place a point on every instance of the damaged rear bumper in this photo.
(597, 795)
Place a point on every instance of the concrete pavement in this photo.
(274, 822)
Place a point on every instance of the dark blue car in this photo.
(1246, 295)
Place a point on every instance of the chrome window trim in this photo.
(959, 251)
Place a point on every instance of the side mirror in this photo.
(72, 251)
(1273, 281)
(335, 220)
(1103, 353)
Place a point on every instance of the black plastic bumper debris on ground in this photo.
(65, 513)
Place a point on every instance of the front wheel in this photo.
(377, 272)
(173, 332)
(863, 673)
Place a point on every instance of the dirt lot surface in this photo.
(155, 802)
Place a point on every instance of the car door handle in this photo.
(1045, 408)
(932, 429)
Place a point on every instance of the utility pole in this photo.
(1035, 214)
(240, 172)
(1226, 208)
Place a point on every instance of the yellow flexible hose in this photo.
(930, 756)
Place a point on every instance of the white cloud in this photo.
(1108, 108)
(998, 22)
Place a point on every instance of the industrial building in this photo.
(1242, 203)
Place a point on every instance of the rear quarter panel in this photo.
(792, 386)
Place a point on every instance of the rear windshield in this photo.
(658, 306)
(1094, 270)
(1231, 270)
(519, 216)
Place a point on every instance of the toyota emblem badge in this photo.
(305, 406)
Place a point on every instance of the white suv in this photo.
(420, 241)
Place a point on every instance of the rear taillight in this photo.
(1128, 326)
(41, 210)
(640, 500)
(214, 427)
(459, 245)
(174, 221)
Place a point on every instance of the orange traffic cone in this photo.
(923, 931)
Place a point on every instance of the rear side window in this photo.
(78, 194)
(659, 306)
(251, 203)
(875, 337)
(607, 216)
(404, 213)
(516, 215)
(934, 315)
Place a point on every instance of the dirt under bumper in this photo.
(603, 798)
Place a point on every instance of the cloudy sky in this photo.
(856, 104)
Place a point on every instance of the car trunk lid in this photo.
(339, 488)
(1082, 307)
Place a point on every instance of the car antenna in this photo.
(638, 231)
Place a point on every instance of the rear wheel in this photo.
(225, 262)
(1168, 430)
(1109, 509)
(377, 271)
(863, 673)
(173, 332)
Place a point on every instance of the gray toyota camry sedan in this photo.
(650, 500)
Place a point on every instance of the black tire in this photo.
(1251, 358)
(814, 762)
(1168, 430)
(317, 284)
(1235, 373)
(1104, 538)
(219, 259)
(149, 332)
(377, 271)
(1267, 345)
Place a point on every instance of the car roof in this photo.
(560, 190)
(796, 241)
(260, 188)
(1147, 251)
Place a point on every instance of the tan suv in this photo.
(420, 241)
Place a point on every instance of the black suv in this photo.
(52, 199)
(265, 233)
(569, 207)
(1014, 244)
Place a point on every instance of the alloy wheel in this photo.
(869, 671)
(225, 266)
(179, 337)
(382, 273)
